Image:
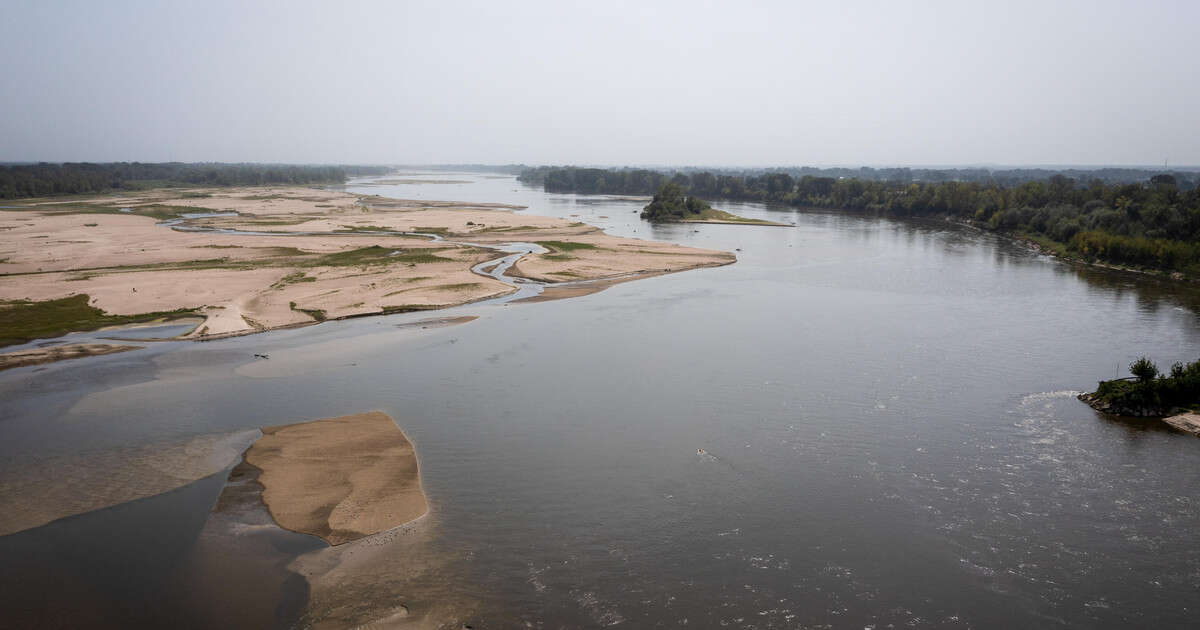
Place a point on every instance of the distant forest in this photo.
(73, 178)
(1151, 222)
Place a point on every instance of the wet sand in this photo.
(33, 493)
(51, 354)
(571, 290)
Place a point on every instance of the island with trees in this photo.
(1106, 216)
(672, 205)
(1173, 396)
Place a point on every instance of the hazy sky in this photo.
(731, 83)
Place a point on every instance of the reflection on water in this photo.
(886, 412)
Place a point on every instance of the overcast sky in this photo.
(731, 83)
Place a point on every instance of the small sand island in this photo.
(249, 259)
(671, 205)
(340, 478)
(50, 354)
(1174, 397)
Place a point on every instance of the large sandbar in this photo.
(341, 479)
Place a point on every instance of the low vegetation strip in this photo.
(22, 321)
(1147, 392)
(564, 246)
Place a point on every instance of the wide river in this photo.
(886, 410)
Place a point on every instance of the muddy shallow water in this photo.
(886, 410)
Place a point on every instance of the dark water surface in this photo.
(886, 408)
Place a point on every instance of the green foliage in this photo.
(564, 246)
(376, 255)
(671, 204)
(45, 179)
(23, 320)
(1178, 388)
(1144, 370)
(1121, 216)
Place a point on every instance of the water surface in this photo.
(886, 408)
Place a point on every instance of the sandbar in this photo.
(1189, 422)
(340, 478)
(263, 258)
(51, 354)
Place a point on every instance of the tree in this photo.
(1144, 370)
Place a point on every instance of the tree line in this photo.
(45, 179)
(1154, 223)
(1152, 390)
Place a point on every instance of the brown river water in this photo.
(886, 410)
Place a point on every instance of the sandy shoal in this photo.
(1189, 422)
(36, 490)
(341, 478)
(38, 356)
(129, 264)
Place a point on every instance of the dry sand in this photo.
(352, 480)
(301, 271)
(341, 479)
(51, 354)
(1189, 422)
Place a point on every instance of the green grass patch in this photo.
(461, 286)
(376, 255)
(315, 313)
(293, 278)
(440, 231)
(22, 321)
(558, 257)
(158, 211)
(564, 246)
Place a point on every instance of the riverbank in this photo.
(253, 259)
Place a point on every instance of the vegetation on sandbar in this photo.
(1149, 392)
(22, 321)
(671, 204)
(564, 246)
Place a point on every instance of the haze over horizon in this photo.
(769, 83)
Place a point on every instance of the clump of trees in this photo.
(1152, 224)
(671, 204)
(1149, 389)
(45, 179)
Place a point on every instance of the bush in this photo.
(1144, 370)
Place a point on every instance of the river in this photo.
(886, 412)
